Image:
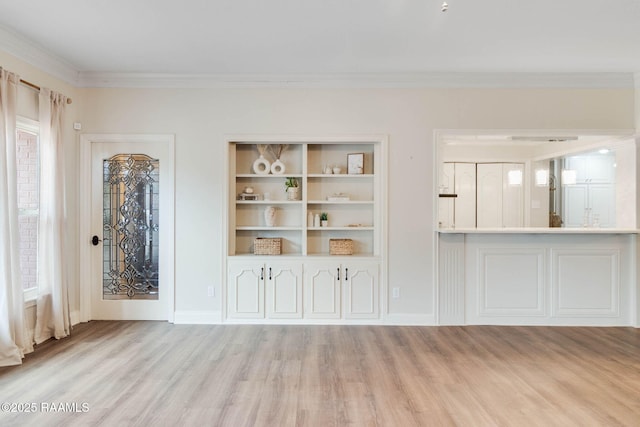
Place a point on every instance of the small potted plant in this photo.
(292, 188)
(324, 219)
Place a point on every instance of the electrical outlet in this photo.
(211, 291)
(396, 292)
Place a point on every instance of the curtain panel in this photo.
(14, 337)
(53, 317)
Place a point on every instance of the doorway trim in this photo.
(84, 203)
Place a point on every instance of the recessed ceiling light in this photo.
(445, 6)
(603, 151)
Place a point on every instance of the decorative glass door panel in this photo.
(130, 224)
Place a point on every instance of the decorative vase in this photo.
(270, 216)
(292, 193)
(277, 167)
(262, 166)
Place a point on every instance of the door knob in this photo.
(95, 240)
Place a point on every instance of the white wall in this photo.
(201, 118)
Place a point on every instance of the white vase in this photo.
(270, 216)
(277, 167)
(292, 193)
(262, 166)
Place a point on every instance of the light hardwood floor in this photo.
(155, 374)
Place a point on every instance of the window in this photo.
(28, 167)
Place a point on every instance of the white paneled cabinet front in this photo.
(500, 195)
(283, 282)
(245, 290)
(322, 288)
(333, 290)
(251, 281)
(360, 283)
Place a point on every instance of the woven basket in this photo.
(267, 246)
(340, 247)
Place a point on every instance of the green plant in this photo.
(324, 216)
(291, 182)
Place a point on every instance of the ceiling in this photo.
(267, 37)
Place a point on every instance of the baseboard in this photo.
(197, 318)
(410, 319)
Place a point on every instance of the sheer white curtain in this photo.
(53, 300)
(14, 339)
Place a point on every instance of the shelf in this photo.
(341, 202)
(340, 175)
(265, 228)
(268, 176)
(268, 202)
(340, 228)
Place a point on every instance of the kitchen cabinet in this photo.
(500, 195)
(591, 200)
(457, 179)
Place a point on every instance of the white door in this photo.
(131, 238)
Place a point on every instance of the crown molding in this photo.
(37, 56)
(359, 80)
(33, 54)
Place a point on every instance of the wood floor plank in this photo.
(155, 373)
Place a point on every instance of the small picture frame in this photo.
(355, 163)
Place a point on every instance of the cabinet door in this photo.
(465, 188)
(361, 291)
(322, 290)
(602, 201)
(446, 204)
(489, 195)
(245, 290)
(601, 168)
(575, 200)
(283, 283)
(513, 195)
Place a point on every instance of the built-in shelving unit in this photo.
(356, 218)
(354, 205)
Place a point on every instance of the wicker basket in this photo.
(340, 247)
(267, 246)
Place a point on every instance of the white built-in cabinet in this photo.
(346, 289)
(258, 290)
(305, 282)
(459, 180)
(592, 199)
(500, 195)
(483, 195)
